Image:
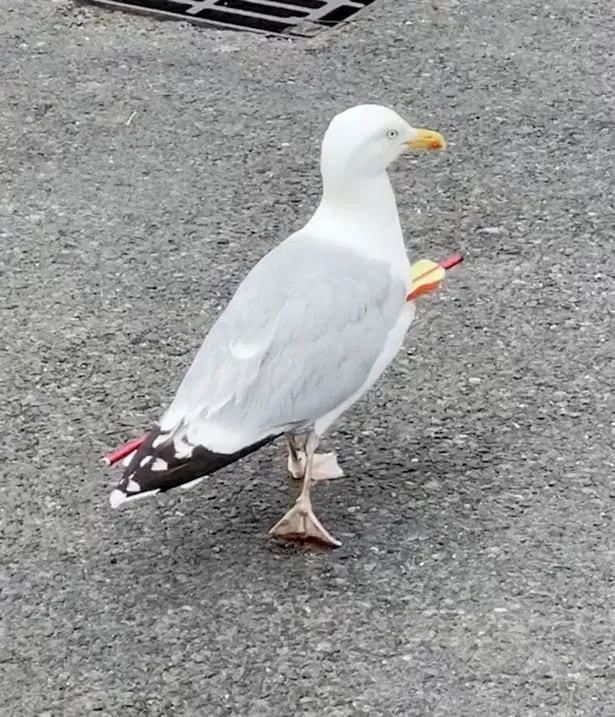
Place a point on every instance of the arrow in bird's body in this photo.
(124, 451)
(421, 287)
(419, 283)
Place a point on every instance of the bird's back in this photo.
(299, 335)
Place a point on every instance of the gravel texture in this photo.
(146, 166)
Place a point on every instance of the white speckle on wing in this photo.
(126, 461)
(183, 449)
(159, 465)
(192, 483)
(145, 461)
(133, 487)
(242, 350)
(117, 496)
(158, 440)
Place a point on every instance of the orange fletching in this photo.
(426, 275)
(422, 289)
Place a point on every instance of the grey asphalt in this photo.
(145, 167)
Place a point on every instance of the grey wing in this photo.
(298, 339)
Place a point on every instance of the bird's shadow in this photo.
(224, 529)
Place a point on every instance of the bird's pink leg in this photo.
(325, 465)
(300, 523)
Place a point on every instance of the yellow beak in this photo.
(427, 139)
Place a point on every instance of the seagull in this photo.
(308, 332)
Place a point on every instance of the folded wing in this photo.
(299, 338)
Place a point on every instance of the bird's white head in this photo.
(365, 139)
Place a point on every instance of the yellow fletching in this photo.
(426, 271)
(426, 275)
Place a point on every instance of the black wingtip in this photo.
(155, 466)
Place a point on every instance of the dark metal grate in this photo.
(303, 18)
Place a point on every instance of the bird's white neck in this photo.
(361, 212)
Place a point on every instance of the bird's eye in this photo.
(392, 133)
